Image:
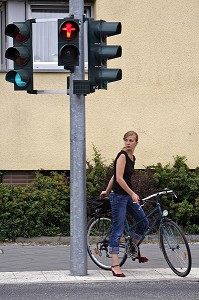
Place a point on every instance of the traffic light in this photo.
(68, 43)
(99, 52)
(22, 55)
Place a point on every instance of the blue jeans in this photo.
(119, 205)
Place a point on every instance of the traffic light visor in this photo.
(20, 32)
(20, 78)
(69, 55)
(110, 28)
(19, 55)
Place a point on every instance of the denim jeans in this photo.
(119, 205)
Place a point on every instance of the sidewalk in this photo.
(51, 264)
(94, 276)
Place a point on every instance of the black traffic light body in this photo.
(99, 52)
(68, 43)
(22, 55)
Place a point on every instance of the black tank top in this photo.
(128, 172)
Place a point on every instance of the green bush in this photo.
(41, 208)
(185, 209)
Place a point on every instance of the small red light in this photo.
(20, 38)
(68, 30)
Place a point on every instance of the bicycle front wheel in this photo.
(98, 243)
(175, 248)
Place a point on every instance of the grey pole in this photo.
(78, 211)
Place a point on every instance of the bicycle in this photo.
(172, 240)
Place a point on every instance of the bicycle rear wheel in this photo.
(98, 243)
(175, 248)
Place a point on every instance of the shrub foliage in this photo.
(185, 209)
(41, 208)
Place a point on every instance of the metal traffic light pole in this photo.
(78, 211)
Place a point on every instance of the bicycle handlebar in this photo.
(164, 192)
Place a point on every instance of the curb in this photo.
(65, 240)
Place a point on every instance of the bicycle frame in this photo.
(130, 228)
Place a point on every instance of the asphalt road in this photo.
(18, 258)
(88, 291)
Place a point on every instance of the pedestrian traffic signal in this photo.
(22, 55)
(68, 43)
(99, 52)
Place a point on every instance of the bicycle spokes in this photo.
(98, 243)
(175, 248)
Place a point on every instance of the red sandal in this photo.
(117, 275)
(142, 259)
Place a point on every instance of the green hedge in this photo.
(43, 207)
(185, 209)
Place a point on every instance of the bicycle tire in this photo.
(98, 243)
(175, 248)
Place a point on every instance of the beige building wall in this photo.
(158, 96)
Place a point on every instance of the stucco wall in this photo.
(157, 97)
(34, 129)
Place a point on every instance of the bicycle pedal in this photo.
(96, 251)
(134, 258)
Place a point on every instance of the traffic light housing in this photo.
(99, 52)
(68, 43)
(22, 55)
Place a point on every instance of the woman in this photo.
(123, 197)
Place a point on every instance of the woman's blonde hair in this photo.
(127, 134)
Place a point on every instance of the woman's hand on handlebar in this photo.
(135, 197)
(103, 194)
